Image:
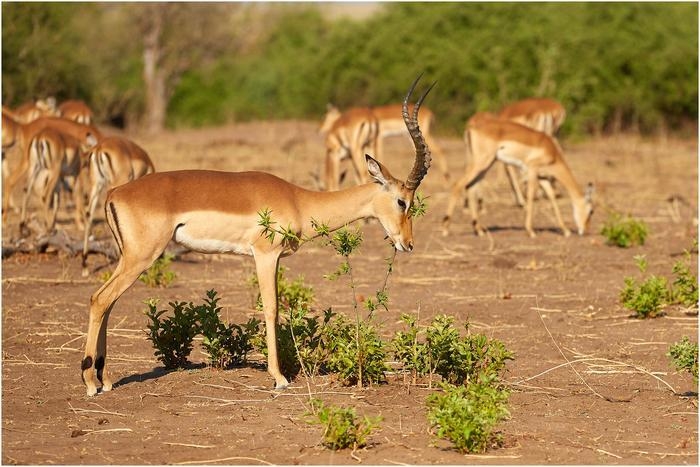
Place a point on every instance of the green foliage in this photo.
(226, 345)
(172, 337)
(467, 415)
(159, 275)
(301, 340)
(419, 206)
(355, 352)
(685, 286)
(645, 299)
(341, 427)
(624, 232)
(458, 360)
(684, 355)
(619, 66)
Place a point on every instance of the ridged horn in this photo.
(422, 163)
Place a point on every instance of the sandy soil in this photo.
(590, 385)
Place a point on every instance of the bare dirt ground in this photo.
(554, 301)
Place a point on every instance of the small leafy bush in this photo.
(467, 415)
(685, 286)
(647, 298)
(300, 341)
(172, 337)
(341, 427)
(226, 345)
(355, 352)
(159, 274)
(684, 355)
(624, 232)
(457, 359)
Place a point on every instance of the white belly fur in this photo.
(204, 237)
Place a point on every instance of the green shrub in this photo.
(300, 341)
(648, 298)
(226, 345)
(341, 428)
(685, 286)
(355, 352)
(172, 337)
(159, 275)
(684, 355)
(624, 232)
(467, 415)
(458, 360)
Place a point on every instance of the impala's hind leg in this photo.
(139, 251)
(93, 368)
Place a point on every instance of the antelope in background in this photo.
(54, 156)
(350, 136)
(390, 123)
(534, 152)
(112, 162)
(88, 135)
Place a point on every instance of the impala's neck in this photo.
(566, 178)
(336, 208)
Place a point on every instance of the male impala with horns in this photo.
(218, 212)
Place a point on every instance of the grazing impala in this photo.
(86, 134)
(537, 153)
(391, 124)
(75, 110)
(53, 157)
(218, 212)
(112, 162)
(349, 136)
(538, 113)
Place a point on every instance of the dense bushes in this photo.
(614, 66)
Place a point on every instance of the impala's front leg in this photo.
(531, 187)
(266, 266)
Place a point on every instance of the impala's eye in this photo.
(402, 204)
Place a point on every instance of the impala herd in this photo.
(58, 147)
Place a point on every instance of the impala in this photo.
(75, 110)
(218, 212)
(30, 111)
(391, 124)
(86, 134)
(537, 153)
(539, 113)
(10, 138)
(349, 136)
(53, 157)
(542, 114)
(112, 162)
(10, 130)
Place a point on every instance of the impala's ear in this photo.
(377, 170)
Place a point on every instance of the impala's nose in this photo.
(408, 247)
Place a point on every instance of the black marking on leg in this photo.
(99, 366)
(87, 363)
(84, 365)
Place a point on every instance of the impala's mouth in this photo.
(400, 246)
